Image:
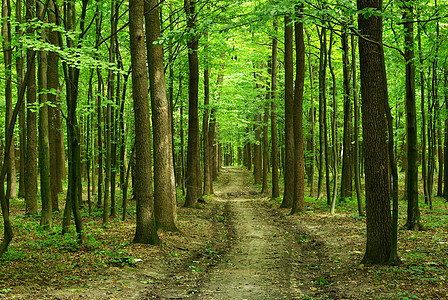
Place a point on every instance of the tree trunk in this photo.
(54, 116)
(146, 231)
(7, 54)
(311, 141)
(288, 194)
(31, 128)
(193, 176)
(264, 188)
(375, 128)
(72, 78)
(356, 154)
(322, 111)
(44, 142)
(164, 182)
(208, 182)
(258, 163)
(422, 108)
(333, 127)
(445, 156)
(347, 161)
(274, 137)
(413, 212)
(22, 118)
(298, 204)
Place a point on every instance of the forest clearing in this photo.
(239, 245)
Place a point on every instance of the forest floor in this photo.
(239, 245)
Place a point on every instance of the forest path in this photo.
(258, 265)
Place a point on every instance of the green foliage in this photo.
(322, 281)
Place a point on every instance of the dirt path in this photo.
(257, 266)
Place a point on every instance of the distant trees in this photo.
(194, 46)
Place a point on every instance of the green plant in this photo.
(121, 258)
(322, 281)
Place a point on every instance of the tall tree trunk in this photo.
(333, 127)
(298, 204)
(22, 118)
(72, 78)
(422, 108)
(31, 127)
(274, 138)
(99, 119)
(146, 231)
(258, 163)
(347, 157)
(108, 123)
(322, 112)
(7, 55)
(115, 163)
(208, 182)
(44, 140)
(288, 176)
(311, 141)
(164, 182)
(193, 176)
(264, 187)
(356, 154)
(445, 156)
(54, 116)
(375, 128)
(413, 212)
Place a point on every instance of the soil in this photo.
(240, 245)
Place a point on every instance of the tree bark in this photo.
(258, 163)
(375, 128)
(31, 127)
(193, 176)
(208, 183)
(356, 154)
(7, 55)
(164, 182)
(274, 137)
(288, 194)
(44, 141)
(22, 117)
(333, 128)
(347, 157)
(413, 212)
(54, 117)
(311, 141)
(298, 204)
(322, 113)
(146, 231)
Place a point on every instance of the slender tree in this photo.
(298, 204)
(22, 113)
(311, 141)
(288, 176)
(164, 182)
(57, 156)
(356, 154)
(44, 141)
(31, 121)
(145, 231)
(413, 212)
(273, 97)
(208, 182)
(193, 176)
(7, 55)
(347, 157)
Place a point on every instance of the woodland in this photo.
(152, 131)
